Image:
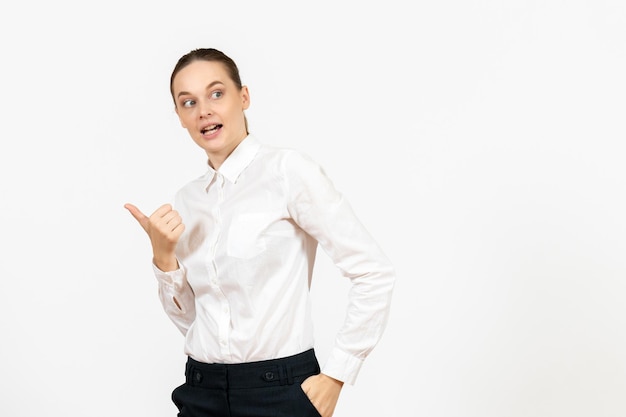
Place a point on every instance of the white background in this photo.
(481, 142)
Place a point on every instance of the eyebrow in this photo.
(183, 93)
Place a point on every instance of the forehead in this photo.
(199, 74)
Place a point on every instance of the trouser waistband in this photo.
(251, 374)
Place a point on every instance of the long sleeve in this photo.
(324, 214)
(177, 297)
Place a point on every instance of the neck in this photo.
(217, 159)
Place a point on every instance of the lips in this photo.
(210, 129)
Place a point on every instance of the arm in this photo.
(164, 228)
(177, 297)
(324, 214)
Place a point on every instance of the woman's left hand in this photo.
(323, 392)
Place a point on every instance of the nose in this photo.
(205, 109)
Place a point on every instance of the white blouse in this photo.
(246, 262)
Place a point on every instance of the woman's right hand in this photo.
(164, 228)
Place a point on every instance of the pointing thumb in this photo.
(138, 215)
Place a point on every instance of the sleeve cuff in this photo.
(342, 366)
(174, 278)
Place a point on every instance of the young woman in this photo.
(234, 258)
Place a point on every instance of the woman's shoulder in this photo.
(285, 154)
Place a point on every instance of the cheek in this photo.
(186, 119)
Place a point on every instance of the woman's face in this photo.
(211, 108)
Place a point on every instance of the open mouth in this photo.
(210, 129)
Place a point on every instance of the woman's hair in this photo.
(211, 55)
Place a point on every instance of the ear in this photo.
(179, 118)
(245, 97)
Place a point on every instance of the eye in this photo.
(188, 103)
(216, 94)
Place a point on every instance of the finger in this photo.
(162, 211)
(179, 229)
(176, 225)
(137, 214)
(172, 218)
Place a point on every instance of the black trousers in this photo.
(256, 389)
